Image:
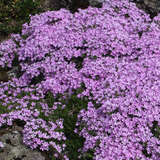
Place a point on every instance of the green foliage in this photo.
(3, 109)
(144, 151)
(13, 13)
(156, 129)
(69, 114)
(77, 60)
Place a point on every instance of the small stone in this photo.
(3, 76)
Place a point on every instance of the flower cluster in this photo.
(111, 51)
(28, 104)
(7, 53)
(129, 105)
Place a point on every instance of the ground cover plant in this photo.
(88, 83)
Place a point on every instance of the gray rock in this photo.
(13, 148)
(96, 3)
(56, 4)
(154, 4)
(13, 72)
(71, 5)
(3, 76)
(151, 7)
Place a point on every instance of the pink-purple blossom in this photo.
(119, 45)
